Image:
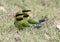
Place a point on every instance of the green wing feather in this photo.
(18, 24)
(32, 21)
(26, 24)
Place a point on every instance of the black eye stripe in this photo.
(18, 15)
(26, 16)
(19, 19)
(26, 10)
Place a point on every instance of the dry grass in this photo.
(48, 31)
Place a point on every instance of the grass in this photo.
(47, 33)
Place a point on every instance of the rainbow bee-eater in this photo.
(28, 18)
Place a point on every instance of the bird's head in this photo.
(19, 18)
(26, 13)
(19, 13)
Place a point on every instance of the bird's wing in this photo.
(18, 24)
(32, 21)
(26, 24)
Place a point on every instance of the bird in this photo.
(28, 18)
(20, 22)
(31, 20)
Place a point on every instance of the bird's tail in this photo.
(43, 19)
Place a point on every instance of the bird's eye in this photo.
(26, 15)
